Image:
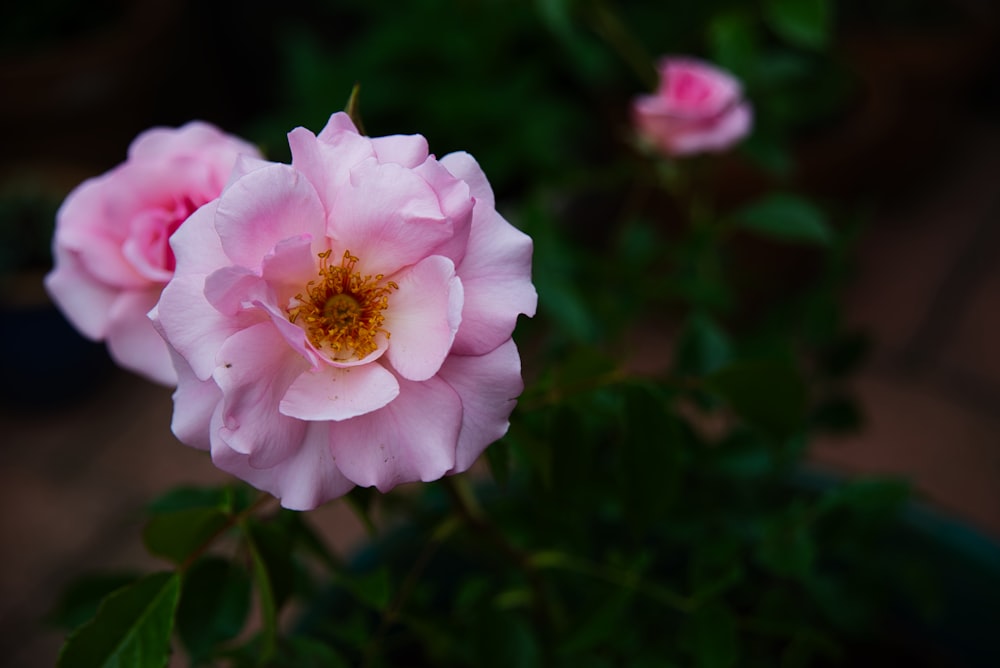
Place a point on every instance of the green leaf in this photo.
(190, 498)
(805, 23)
(214, 605)
(786, 547)
(702, 347)
(768, 394)
(132, 627)
(504, 640)
(788, 218)
(81, 599)
(271, 556)
(179, 534)
(373, 589)
(733, 40)
(651, 456)
(710, 634)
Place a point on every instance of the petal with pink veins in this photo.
(413, 438)
(423, 316)
(330, 393)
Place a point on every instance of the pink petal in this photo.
(405, 150)
(423, 317)
(265, 207)
(388, 217)
(84, 301)
(133, 342)
(303, 481)
(289, 268)
(456, 202)
(327, 163)
(329, 393)
(254, 371)
(195, 401)
(191, 325)
(496, 270)
(196, 245)
(413, 438)
(488, 386)
(338, 124)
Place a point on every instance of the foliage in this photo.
(647, 507)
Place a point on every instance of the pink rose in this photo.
(112, 256)
(346, 319)
(697, 108)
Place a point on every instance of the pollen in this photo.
(342, 311)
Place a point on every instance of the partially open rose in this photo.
(346, 319)
(697, 108)
(111, 245)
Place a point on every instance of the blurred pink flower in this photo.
(346, 320)
(112, 256)
(697, 108)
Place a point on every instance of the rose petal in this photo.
(265, 207)
(423, 316)
(195, 401)
(488, 386)
(303, 481)
(330, 393)
(496, 270)
(133, 342)
(254, 371)
(388, 217)
(405, 150)
(412, 438)
(85, 302)
(327, 161)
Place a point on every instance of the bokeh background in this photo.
(890, 116)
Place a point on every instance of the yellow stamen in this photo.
(342, 311)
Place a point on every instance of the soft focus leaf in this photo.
(768, 394)
(507, 640)
(214, 604)
(190, 498)
(702, 347)
(650, 456)
(710, 634)
(179, 534)
(132, 627)
(373, 589)
(733, 41)
(80, 600)
(804, 23)
(786, 547)
(784, 217)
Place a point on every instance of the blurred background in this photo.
(887, 113)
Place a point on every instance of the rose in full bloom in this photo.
(697, 108)
(346, 319)
(112, 256)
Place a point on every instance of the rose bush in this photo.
(346, 319)
(112, 256)
(696, 108)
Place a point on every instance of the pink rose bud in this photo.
(697, 108)
(346, 319)
(112, 256)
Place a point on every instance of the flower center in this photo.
(342, 311)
